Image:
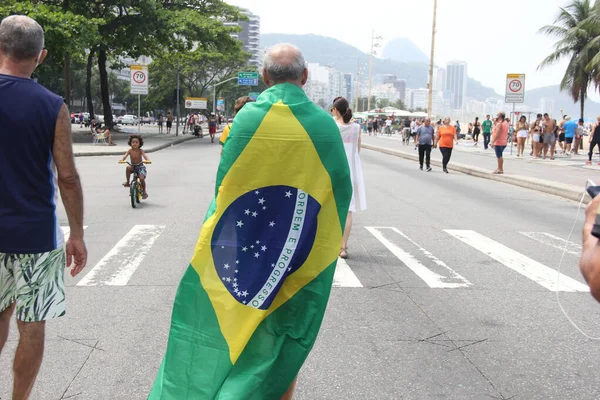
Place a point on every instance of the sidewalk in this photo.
(564, 177)
(153, 141)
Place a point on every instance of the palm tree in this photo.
(592, 25)
(571, 28)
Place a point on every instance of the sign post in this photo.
(139, 85)
(515, 93)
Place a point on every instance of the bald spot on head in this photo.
(284, 63)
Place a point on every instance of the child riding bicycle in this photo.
(136, 156)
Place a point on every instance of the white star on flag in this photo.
(264, 248)
(239, 294)
(228, 279)
(237, 261)
(235, 285)
(245, 294)
(226, 266)
(257, 192)
(244, 249)
(251, 246)
(261, 201)
(256, 255)
(288, 194)
(258, 242)
(240, 224)
(247, 212)
(264, 208)
(255, 214)
(236, 271)
(272, 224)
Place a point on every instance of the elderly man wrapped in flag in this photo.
(250, 305)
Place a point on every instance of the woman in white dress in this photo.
(350, 132)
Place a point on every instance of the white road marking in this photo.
(66, 230)
(444, 278)
(555, 241)
(344, 277)
(121, 262)
(537, 272)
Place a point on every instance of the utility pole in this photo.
(430, 98)
(177, 124)
(373, 46)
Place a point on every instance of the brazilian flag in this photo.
(250, 305)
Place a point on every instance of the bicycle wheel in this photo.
(139, 191)
(133, 193)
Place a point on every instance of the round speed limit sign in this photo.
(139, 77)
(515, 85)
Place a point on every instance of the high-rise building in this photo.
(324, 84)
(547, 105)
(348, 87)
(456, 82)
(249, 35)
(439, 79)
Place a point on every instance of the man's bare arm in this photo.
(68, 178)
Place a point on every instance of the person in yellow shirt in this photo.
(239, 104)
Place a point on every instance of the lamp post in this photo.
(430, 96)
(374, 44)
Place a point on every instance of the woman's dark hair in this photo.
(241, 102)
(342, 106)
(138, 137)
(476, 119)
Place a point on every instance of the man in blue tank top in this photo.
(36, 160)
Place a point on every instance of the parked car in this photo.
(128, 120)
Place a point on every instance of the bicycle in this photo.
(136, 190)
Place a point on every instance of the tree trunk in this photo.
(582, 99)
(108, 121)
(67, 72)
(88, 84)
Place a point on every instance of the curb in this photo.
(151, 150)
(565, 191)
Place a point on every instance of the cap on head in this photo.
(567, 118)
(21, 38)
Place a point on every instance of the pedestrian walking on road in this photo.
(169, 122)
(594, 140)
(548, 137)
(351, 137)
(446, 137)
(578, 136)
(500, 140)
(476, 131)
(536, 134)
(487, 131)
(569, 127)
(249, 307)
(212, 127)
(36, 164)
(160, 123)
(522, 130)
(425, 139)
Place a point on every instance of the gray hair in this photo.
(284, 63)
(21, 38)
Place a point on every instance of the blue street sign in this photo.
(248, 78)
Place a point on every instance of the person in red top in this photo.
(499, 140)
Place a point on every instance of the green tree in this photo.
(400, 104)
(382, 103)
(67, 36)
(573, 34)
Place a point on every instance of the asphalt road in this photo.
(450, 291)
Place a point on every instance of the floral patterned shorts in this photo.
(35, 282)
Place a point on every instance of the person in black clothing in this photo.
(594, 140)
(476, 131)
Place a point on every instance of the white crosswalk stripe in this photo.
(438, 275)
(117, 266)
(537, 272)
(344, 277)
(555, 241)
(121, 262)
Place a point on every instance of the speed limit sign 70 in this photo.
(139, 79)
(515, 88)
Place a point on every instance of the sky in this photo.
(494, 37)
